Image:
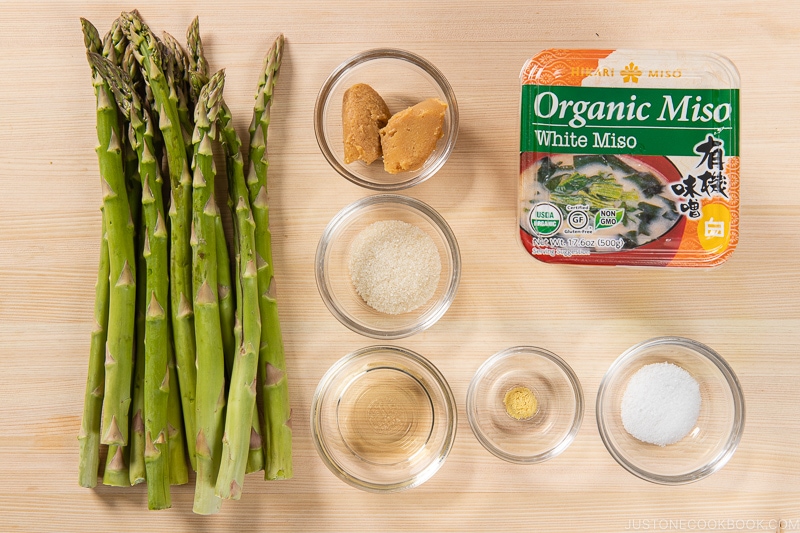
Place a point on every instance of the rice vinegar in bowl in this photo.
(383, 419)
(386, 417)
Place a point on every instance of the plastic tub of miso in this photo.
(629, 157)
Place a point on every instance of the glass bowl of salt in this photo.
(670, 410)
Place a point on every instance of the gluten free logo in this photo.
(545, 219)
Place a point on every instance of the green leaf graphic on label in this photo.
(606, 218)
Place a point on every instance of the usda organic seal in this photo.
(545, 219)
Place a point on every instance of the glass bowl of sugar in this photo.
(388, 266)
(670, 410)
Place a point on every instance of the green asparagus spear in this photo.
(115, 42)
(89, 436)
(116, 471)
(93, 398)
(119, 229)
(117, 50)
(137, 469)
(196, 77)
(154, 252)
(255, 454)
(136, 445)
(210, 357)
(198, 66)
(242, 392)
(113, 45)
(176, 437)
(235, 172)
(226, 303)
(271, 362)
(149, 57)
(176, 65)
(156, 379)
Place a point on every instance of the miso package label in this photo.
(629, 158)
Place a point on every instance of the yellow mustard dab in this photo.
(520, 403)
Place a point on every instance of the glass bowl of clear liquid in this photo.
(383, 419)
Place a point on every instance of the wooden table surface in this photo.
(748, 310)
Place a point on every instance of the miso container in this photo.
(629, 157)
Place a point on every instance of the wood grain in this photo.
(748, 310)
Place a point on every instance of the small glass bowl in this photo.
(333, 272)
(556, 420)
(402, 79)
(719, 426)
(383, 419)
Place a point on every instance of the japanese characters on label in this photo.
(710, 179)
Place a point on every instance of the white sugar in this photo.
(395, 266)
(661, 404)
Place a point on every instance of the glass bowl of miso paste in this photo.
(386, 119)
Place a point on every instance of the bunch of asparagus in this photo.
(186, 363)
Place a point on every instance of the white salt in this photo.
(395, 266)
(661, 404)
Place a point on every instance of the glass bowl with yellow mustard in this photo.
(386, 119)
(525, 405)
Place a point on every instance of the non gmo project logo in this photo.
(545, 219)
